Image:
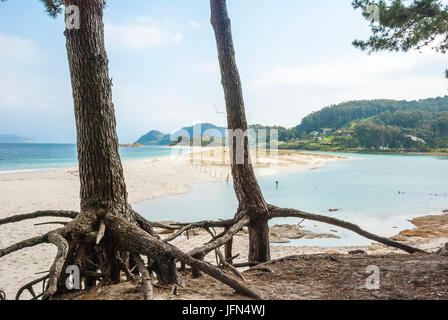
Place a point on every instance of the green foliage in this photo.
(284, 134)
(410, 114)
(405, 25)
(53, 7)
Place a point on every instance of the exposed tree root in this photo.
(140, 238)
(29, 288)
(133, 239)
(276, 212)
(221, 240)
(225, 264)
(56, 268)
(39, 214)
(51, 222)
(32, 242)
(146, 278)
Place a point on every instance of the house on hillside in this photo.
(326, 131)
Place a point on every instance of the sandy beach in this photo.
(58, 189)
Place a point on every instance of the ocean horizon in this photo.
(29, 157)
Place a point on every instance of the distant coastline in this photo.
(410, 153)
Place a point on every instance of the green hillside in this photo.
(387, 125)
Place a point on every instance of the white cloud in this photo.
(361, 76)
(16, 48)
(194, 24)
(140, 36)
(302, 88)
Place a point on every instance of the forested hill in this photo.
(401, 113)
(387, 125)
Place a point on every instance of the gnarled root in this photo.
(58, 263)
(24, 244)
(39, 214)
(133, 239)
(276, 212)
(146, 278)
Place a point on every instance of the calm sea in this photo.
(378, 192)
(30, 157)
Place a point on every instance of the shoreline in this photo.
(196, 149)
(146, 178)
(396, 153)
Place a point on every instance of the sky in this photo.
(294, 57)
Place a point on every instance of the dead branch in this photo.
(276, 212)
(146, 278)
(29, 288)
(24, 244)
(245, 264)
(260, 268)
(179, 233)
(39, 214)
(51, 222)
(230, 260)
(209, 224)
(56, 268)
(203, 250)
(225, 264)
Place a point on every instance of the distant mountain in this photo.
(201, 129)
(15, 139)
(154, 137)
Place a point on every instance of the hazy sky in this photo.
(294, 56)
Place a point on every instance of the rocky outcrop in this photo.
(434, 226)
(279, 233)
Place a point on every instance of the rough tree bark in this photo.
(103, 189)
(248, 192)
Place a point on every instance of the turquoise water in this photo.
(377, 192)
(29, 157)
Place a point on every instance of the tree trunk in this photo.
(103, 189)
(246, 186)
(100, 169)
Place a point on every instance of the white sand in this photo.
(59, 190)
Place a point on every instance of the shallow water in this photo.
(377, 192)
